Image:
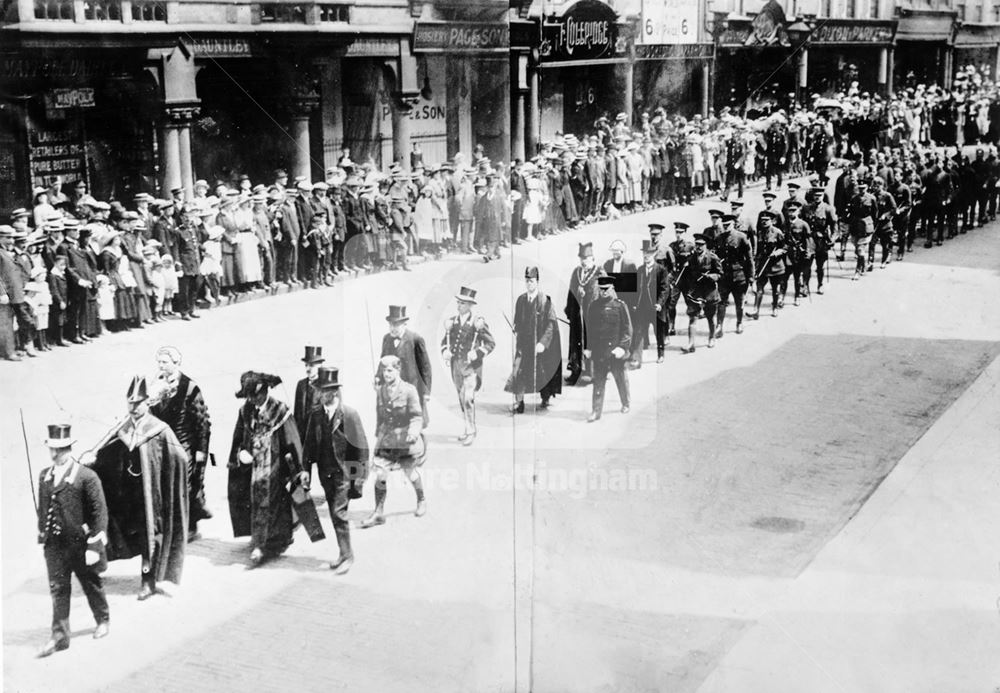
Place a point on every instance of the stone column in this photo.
(401, 109)
(171, 164)
(706, 89)
(628, 89)
(176, 167)
(519, 129)
(534, 113)
(299, 130)
(890, 69)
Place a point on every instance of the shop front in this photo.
(844, 51)
(675, 77)
(976, 45)
(924, 41)
(585, 70)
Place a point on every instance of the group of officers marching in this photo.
(140, 490)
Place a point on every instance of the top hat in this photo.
(648, 246)
(531, 273)
(327, 378)
(397, 314)
(137, 391)
(586, 250)
(314, 354)
(466, 294)
(59, 436)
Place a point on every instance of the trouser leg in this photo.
(621, 381)
(93, 588)
(58, 566)
(336, 491)
(601, 367)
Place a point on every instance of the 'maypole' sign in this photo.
(586, 31)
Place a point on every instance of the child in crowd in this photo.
(170, 282)
(37, 294)
(156, 284)
(105, 300)
(211, 263)
(57, 310)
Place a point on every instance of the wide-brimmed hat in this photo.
(397, 314)
(313, 354)
(252, 383)
(327, 378)
(60, 436)
(466, 294)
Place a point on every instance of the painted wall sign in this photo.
(460, 37)
(82, 97)
(56, 152)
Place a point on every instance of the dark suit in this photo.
(306, 399)
(339, 449)
(650, 306)
(415, 364)
(608, 327)
(72, 519)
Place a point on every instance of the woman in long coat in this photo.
(266, 455)
(111, 261)
(538, 354)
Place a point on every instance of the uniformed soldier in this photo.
(700, 285)
(884, 229)
(467, 341)
(770, 263)
(797, 237)
(777, 220)
(861, 213)
(736, 255)
(681, 249)
(715, 228)
(822, 222)
(72, 527)
(608, 341)
(744, 222)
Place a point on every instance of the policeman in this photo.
(681, 249)
(608, 341)
(467, 341)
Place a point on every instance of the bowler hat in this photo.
(327, 378)
(314, 354)
(137, 391)
(59, 436)
(466, 294)
(397, 314)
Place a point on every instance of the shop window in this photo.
(148, 11)
(852, 9)
(53, 9)
(826, 8)
(102, 10)
(960, 11)
(873, 9)
(282, 13)
(334, 13)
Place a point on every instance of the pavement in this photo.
(804, 507)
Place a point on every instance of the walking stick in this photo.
(27, 452)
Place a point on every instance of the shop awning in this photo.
(925, 25)
(977, 35)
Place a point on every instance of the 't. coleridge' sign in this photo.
(587, 31)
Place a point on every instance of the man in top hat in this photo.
(680, 250)
(181, 405)
(336, 443)
(411, 350)
(144, 471)
(306, 396)
(700, 285)
(467, 341)
(650, 304)
(72, 528)
(608, 340)
(400, 442)
(736, 255)
(582, 290)
(538, 351)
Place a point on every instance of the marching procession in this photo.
(73, 267)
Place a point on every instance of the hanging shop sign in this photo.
(586, 31)
(461, 37)
(669, 22)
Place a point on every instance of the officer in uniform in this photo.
(715, 228)
(681, 249)
(72, 527)
(744, 222)
(822, 221)
(608, 341)
(700, 285)
(736, 256)
(797, 236)
(467, 341)
(884, 228)
(861, 213)
(771, 261)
